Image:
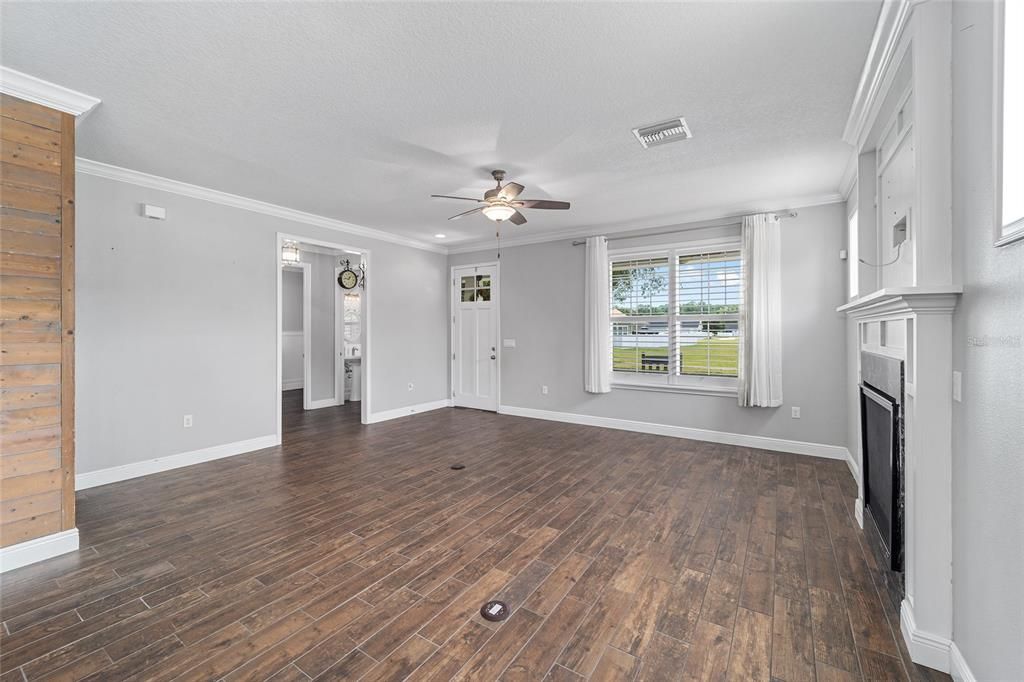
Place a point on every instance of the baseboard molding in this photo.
(322, 403)
(854, 466)
(858, 512)
(958, 668)
(291, 384)
(741, 439)
(91, 479)
(387, 415)
(925, 648)
(40, 549)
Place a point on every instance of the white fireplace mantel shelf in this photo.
(897, 300)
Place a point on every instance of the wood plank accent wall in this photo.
(37, 320)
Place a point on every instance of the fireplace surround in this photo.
(882, 473)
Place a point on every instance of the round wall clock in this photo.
(348, 279)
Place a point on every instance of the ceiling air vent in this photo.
(663, 133)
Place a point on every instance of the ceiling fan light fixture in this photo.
(499, 212)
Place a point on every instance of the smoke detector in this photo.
(663, 133)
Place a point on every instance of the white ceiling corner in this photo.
(356, 112)
(32, 89)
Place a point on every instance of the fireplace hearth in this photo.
(881, 410)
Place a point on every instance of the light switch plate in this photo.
(508, 343)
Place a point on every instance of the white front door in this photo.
(475, 337)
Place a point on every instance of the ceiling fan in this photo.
(501, 203)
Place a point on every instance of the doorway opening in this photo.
(322, 330)
(476, 353)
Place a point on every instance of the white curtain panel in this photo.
(760, 380)
(597, 351)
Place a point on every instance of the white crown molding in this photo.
(925, 648)
(91, 479)
(111, 172)
(684, 221)
(39, 549)
(32, 89)
(387, 415)
(849, 178)
(742, 439)
(892, 19)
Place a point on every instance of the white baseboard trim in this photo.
(291, 384)
(858, 512)
(40, 549)
(387, 415)
(925, 648)
(91, 479)
(958, 668)
(323, 402)
(854, 466)
(741, 439)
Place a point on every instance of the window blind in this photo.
(675, 313)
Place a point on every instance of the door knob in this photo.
(494, 357)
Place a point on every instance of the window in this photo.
(675, 318)
(1009, 123)
(476, 288)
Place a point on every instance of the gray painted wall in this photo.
(179, 317)
(542, 308)
(988, 429)
(291, 301)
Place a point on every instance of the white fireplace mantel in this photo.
(897, 301)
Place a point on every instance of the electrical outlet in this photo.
(411, 385)
(187, 421)
(796, 413)
(544, 390)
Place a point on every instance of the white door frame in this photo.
(307, 338)
(453, 301)
(366, 293)
(339, 338)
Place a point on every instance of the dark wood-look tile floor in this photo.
(355, 552)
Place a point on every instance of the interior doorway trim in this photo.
(453, 301)
(367, 360)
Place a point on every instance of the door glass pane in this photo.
(483, 294)
(468, 295)
(483, 280)
(467, 282)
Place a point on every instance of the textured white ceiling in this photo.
(359, 111)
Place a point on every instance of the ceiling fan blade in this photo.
(510, 191)
(472, 210)
(448, 196)
(542, 203)
(517, 218)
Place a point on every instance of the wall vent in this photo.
(663, 133)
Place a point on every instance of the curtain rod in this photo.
(731, 219)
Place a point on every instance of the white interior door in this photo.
(475, 337)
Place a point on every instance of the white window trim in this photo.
(682, 383)
(1005, 233)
